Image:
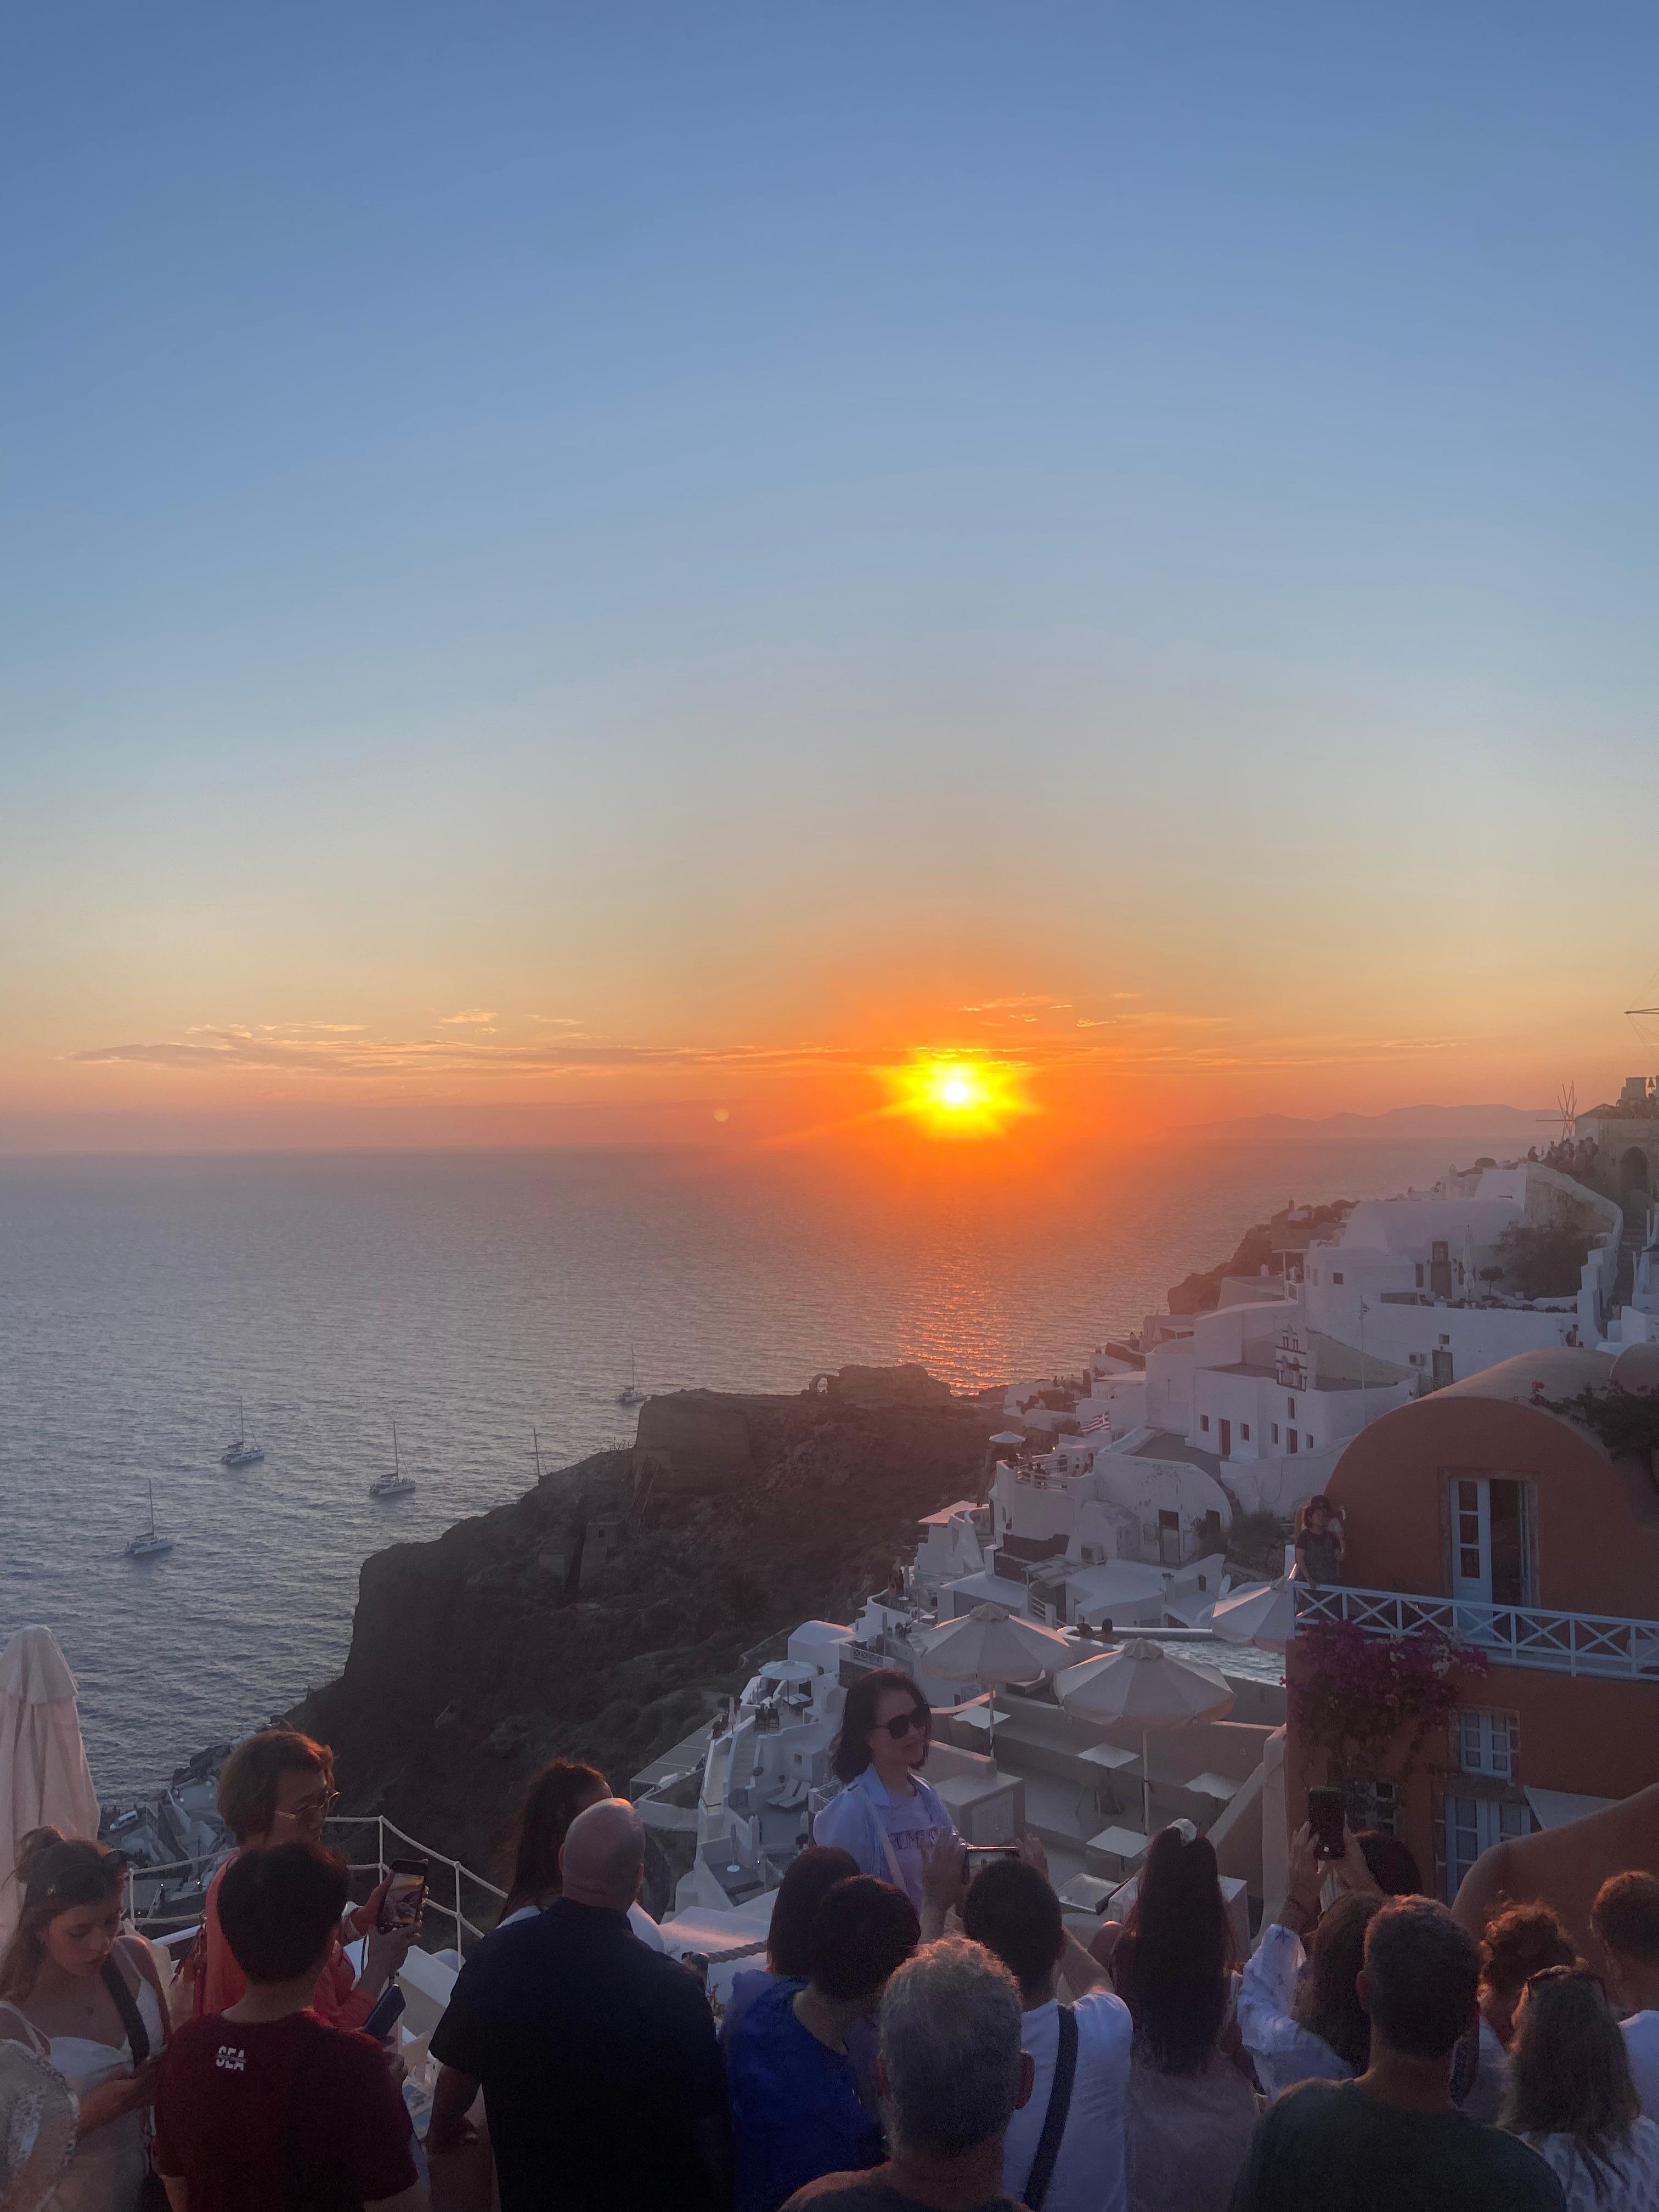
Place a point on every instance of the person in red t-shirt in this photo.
(263, 2107)
(277, 1787)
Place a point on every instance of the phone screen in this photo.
(405, 1899)
(1325, 1817)
(980, 1856)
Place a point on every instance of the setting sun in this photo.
(956, 1097)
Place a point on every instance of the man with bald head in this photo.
(601, 2074)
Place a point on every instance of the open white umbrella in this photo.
(1009, 1436)
(45, 1780)
(1144, 1687)
(991, 1646)
(1264, 1614)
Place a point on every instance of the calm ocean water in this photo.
(472, 1298)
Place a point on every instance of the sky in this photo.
(599, 573)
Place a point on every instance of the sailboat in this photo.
(633, 1396)
(397, 1484)
(244, 1452)
(149, 1546)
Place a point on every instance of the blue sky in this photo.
(628, 513)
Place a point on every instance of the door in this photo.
(1489, 1566)
(1474, 1825)
(1443, 1369)
(1168, 1540)
(1226, 1439)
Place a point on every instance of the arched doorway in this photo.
(1633, 1171)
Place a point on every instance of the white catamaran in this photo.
(150, 1545)
(244, 1452)
(397, 1484)
(633, 1396)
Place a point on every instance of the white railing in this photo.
(1510, 1635)
(378, 1866)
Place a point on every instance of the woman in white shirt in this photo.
(1299, 2014)
(887, 1816)
(1572, 2097)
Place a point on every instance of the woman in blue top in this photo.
(887, 1816)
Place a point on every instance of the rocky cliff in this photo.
(600, 1614)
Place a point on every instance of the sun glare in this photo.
(956, 1097)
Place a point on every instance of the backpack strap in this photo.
(1054, 2120)
(127, 2005)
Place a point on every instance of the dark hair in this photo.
(247, 1795)
(810, 1877)
(862, 1932)
(1327, 2001)
(1626, 1916)
(1569, 2070)
(1522, 1943)
(1319, 1503)
(1422, 1972)
(850, 1753)
(1014, 1912)
(53, 1875)
(1393, 1868)
(552, 1798)
(1180, 1949)
(278, 1907)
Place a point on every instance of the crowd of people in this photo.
(925, 2030)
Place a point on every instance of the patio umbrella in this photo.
(991, 1646)
(1143, 1685)
(1008, 1437)
(43, 1776)
(1264, 1615)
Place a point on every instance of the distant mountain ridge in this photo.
(1397, 1121)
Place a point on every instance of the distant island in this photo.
(1450, 1121)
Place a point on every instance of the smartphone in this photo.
(1327, 1811)
(386, 2014)
(405, 1899)
(977, 1856)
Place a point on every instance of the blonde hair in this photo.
(55, 1876)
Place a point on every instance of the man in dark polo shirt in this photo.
(601, 2073)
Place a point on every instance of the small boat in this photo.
(244, 1452)
(633, 1396)
(149, 1546)
(397, 1484)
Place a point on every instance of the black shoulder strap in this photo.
(132, 2019)
(1054, 2120)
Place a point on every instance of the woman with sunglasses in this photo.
(277, 1787)
(886, 1816)
(1572, 2097)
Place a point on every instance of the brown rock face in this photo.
(597, 1616)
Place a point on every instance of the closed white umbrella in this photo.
(991, 1646)
(45, 1780)
(1144, 1687)
(1264, 1615)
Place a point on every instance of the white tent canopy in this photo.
(1264, 1614)
(1142, 1685)
(44, 1781)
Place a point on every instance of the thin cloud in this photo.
(480, 1018)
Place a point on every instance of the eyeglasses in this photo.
(312, 1808)
(903, 1725)
(1566, 1974)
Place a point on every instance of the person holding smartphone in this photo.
(277, 1787)
(886, 1816)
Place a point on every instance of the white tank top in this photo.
(109, 2169)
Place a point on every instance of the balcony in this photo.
(1581, 1644)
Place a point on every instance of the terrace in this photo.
(1579, 1643)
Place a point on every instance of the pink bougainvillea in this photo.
(1350, 1693)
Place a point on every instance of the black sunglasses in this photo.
(1567, 1974)
(902, 1724)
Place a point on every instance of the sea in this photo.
(489, 1303)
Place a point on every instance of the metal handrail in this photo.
(1607, 1644)
(378, 1866)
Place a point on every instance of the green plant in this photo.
(1626, 1421)
(1544, 1263)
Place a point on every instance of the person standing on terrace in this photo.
(1319, 1543)
(277, 1787)
(887, 1816)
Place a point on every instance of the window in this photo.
(1290, 1439)
(1488, 1743)
(1290, 1407)
(1244, 1432)
(1336, 1275)
(1275, 1433)
(1473, 1825)
(1204, 1422)
(1420, 1274)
